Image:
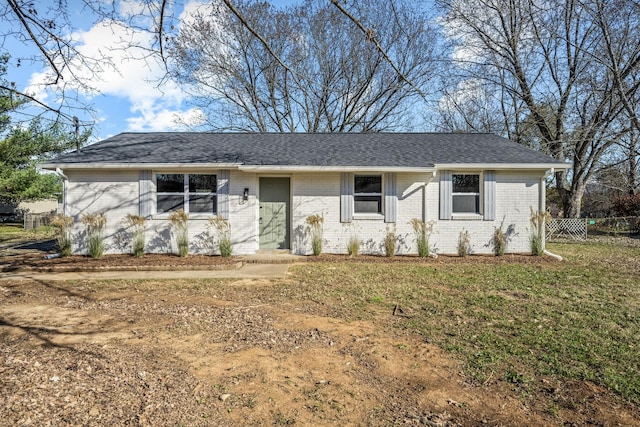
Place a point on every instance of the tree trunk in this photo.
(570, 194)
(633, 165)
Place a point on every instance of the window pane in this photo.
(367, 204)
(466, 203)
(202, 184)
(368, 184)
(168, 203)
(169, 183)
(466, 183)
(205, 203)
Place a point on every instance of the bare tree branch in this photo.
(371, 36)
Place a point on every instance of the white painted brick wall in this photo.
(91, 192)
(319, 194)
(116, 194)
(516, 193)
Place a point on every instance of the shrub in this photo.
(390, 241)
(464, 243)
(178, 220)
(223, 231)
(137, 223)
(63, 225)
(315, 224)
(499, 241)
(423, 232)
(538, 220)
(353, 246)
(627, 205)
(95, 224)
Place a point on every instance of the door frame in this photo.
(289, 223)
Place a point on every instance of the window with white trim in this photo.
(465, 193)
(367, 194)
(195, 193)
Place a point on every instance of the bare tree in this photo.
(306, 68)
(567, 67)
(44, 35)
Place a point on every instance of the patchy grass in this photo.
(15, 233)
(578, 319)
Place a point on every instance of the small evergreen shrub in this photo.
(315, 224)
(63, 225)
(178, 220)
(95, 225)
(137, 223)
(223, 232)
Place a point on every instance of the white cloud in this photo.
(157, 121)
(127, 71)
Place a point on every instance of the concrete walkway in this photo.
(246, 271)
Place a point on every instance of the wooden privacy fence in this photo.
(35, 220)
(571, 228)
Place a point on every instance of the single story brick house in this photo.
(267, 184)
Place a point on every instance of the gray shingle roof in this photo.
(302, 149)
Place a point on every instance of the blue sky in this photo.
(126, 96)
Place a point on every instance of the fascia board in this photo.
(288, 168)
(137, 166)
(502, 166)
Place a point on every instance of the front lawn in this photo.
(520, 323)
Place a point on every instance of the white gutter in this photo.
(287, 168)
(65, 179)
(542, 206)
(501, 166)
(138, 166)
(425, 204)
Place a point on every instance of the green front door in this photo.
(274, 213)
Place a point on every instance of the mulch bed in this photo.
(37, 261)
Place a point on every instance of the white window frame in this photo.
(369, 215)
(185, 193)
(480, 194)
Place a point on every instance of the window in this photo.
(367, 194)
(195, 193)
(466, 193)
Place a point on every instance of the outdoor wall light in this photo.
(245, 194)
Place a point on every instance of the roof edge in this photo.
(501, 166)
(292, 168)
(138, 166)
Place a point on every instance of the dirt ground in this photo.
(152, 353)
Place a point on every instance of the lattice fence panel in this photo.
(572, 228)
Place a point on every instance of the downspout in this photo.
(424, 195)
(542, 206)
(64, 190)
(425, 206)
